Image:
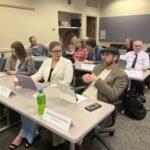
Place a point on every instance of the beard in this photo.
(107, 64)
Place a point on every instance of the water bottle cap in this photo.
(41, 91)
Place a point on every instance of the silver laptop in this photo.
(67, 92)
(28, 83)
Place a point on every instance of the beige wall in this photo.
(109, 8)
(17, 24)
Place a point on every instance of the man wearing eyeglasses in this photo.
(37, 49)
(138, 60)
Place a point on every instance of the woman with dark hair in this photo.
(128, 45)
(52, 70)
(20, 63)
(80, 51)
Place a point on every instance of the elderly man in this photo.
(137, 59)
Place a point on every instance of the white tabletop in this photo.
(137, 74)
(83, 121)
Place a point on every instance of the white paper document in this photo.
(57, 119)
(88, 67)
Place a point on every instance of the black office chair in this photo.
(78, 88)
(38, 64)
(2, 55)
(98, 132)
(110, 130)
(2, 64)
(122, 63)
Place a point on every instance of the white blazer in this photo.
(62, 71)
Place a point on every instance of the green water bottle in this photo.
(41, 101)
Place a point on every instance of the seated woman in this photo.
(20, 63)
(80, 53)
(128, 45)
(52, 70)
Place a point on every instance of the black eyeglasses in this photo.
(58, 51)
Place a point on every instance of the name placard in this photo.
(57, 119)
(5, 91)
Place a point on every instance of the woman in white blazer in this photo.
(57, 70)
(52, 70)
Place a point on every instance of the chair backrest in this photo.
(38, 64)
(2, 55)
(122, 63)
(2, 64)
(122, 51)
(148, 50)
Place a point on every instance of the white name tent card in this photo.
(89, 67)
(57, 119)
(5, 91)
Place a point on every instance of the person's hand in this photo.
(93, 78)
(86, 78)
(88, 62)
(11, 72)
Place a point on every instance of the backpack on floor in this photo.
(133, 106)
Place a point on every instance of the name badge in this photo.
(5, 91)
(57, 119)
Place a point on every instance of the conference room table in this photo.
(83, 121)
(132, 73)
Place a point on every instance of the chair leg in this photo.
(98, 137)
(110, 131)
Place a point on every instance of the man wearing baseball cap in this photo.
(108, 81)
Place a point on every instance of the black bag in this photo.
(75, 22)
(133, 106)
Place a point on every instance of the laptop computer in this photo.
(67, 93)
(28, 83)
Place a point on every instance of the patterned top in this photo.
(80, 55)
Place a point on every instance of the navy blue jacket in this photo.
(95, 55)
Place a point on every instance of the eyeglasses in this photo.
(33, 41)
(58, 51)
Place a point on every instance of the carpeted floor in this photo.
(130, 135)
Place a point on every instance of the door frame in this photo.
(96, 19)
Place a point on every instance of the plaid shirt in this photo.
(80, 55)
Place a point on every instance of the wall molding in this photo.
(17, 6)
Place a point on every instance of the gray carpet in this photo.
(130, 135)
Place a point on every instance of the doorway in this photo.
(91, 27)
